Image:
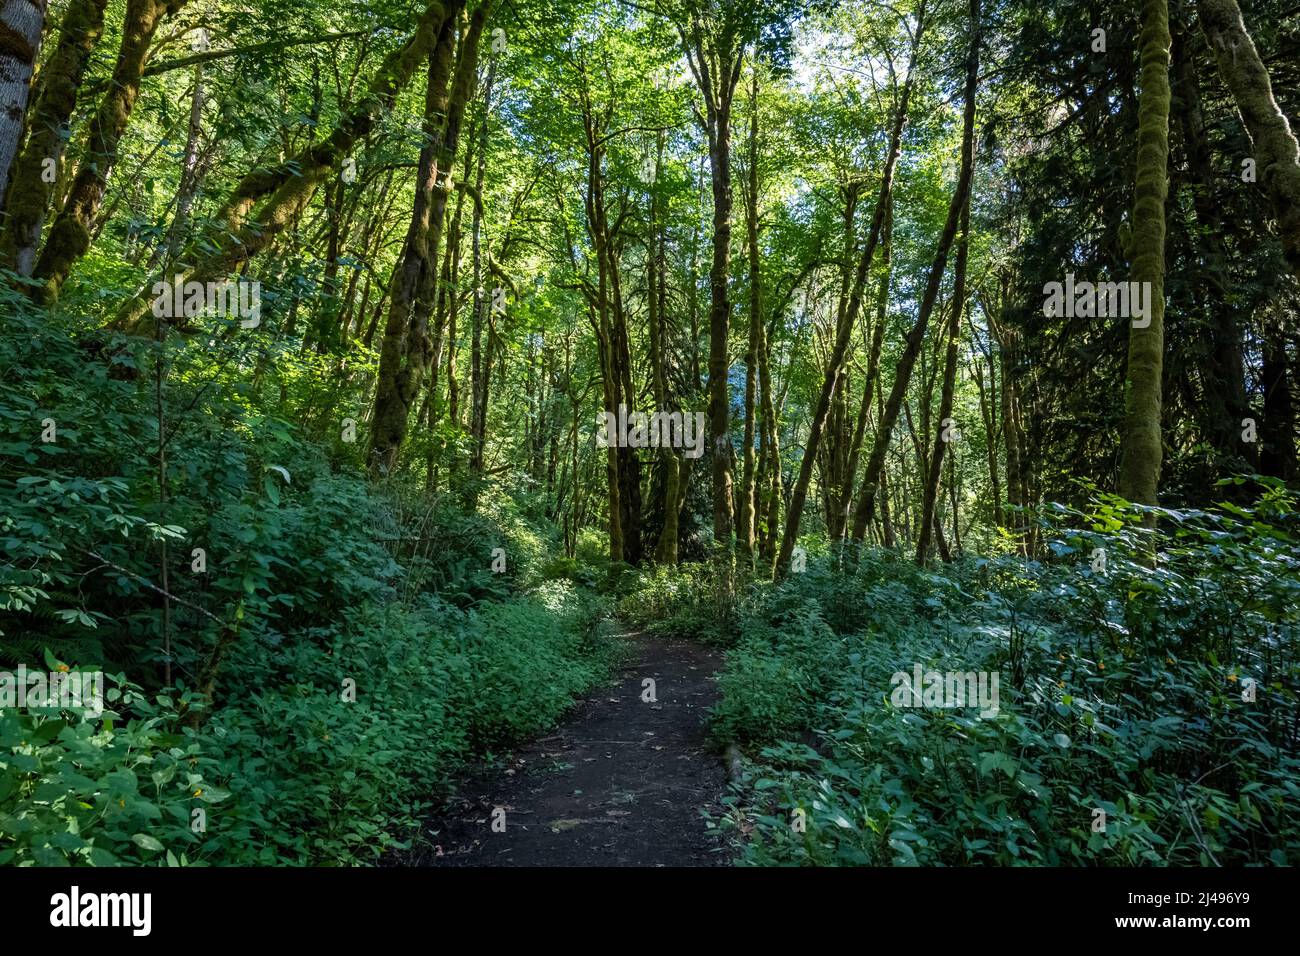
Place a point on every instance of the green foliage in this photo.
(116, 790)
(679, 602)
(314, 578)
(1120, 691)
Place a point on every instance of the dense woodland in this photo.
(985, 310)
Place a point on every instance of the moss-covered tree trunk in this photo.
(871, 386)
(479, 361)
(656, 299)
(402, 352)
(716, 63)
(1008, 359)
(28, 196)
(942, 435)
(748, 499)
(773, 449)
(1277, 152)
(288, 188)
(71, 232)
(1140, 448)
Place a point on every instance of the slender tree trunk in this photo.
(478, 363)
(945, 401)
(1008, 359)
(770, 428)
(887, 536)
(871, 385)
(864, 512)
(1140, 441)
(847, 318)
(188, 188)
(988, 402)
(716, 64)
(748, 501)
(666, 549)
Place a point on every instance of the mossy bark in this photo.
(941, 438)
(656, 288)
(748, 501)
(715, 63)
(773, 450)
(70, 234)
(871, 386)
(1141, 449)
(1277, 152)
(49, 121)
(288, 192)
(404, 349)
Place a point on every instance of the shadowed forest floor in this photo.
(621, 782)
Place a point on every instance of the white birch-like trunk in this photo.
(21, 24)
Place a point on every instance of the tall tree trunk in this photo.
(454, 296)
(773, 445)
(945, 401)
(28, 196)
(1008, 360)
(988, 405)
(478, 363)
(715, 64)
(405, 346)
(70, 234)
(1140, 440)
(871, 385)
(666, 549)
(748, 499)
(1277, 152)
(887, 536)
(848, 316)
(864, 511)
(188, 187)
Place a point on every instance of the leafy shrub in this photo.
(120, 789)
(313, 576)
(1121, 692)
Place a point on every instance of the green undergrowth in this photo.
(360, 644)
(1147, 709)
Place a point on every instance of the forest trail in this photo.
(620, 783)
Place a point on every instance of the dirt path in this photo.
(620, 783)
